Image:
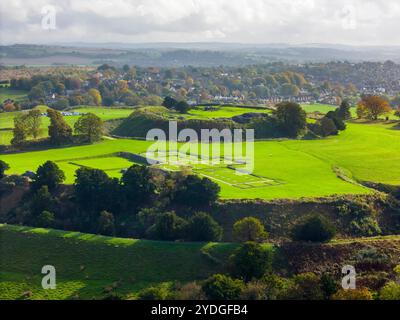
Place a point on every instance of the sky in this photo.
(352, 22)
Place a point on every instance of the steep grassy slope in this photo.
(88, 264)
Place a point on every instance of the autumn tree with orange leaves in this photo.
(371, 107)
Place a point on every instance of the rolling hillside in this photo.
(87, 265)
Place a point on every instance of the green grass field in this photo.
(325, 108)
(88, 264)
(222, 112)
(316, 107)
(16, 95)
(367, 152)
(283, 169)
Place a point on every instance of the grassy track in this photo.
(87, 264)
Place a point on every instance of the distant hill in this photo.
(183, 54)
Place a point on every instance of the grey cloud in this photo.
(258, 21)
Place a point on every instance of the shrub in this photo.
(202, 227)
(275, 287)
(357, 294)
(168, 227)
(390, 291)
(397, 270)
(329, 285)
(314, 229)
(359, 218)
(182, 107)
(221, 287)
(3, 168)
(49, 175)
(338, 121)
(42, 200)
(366, 226)
(137, 185)
(95, 191)
(254, 291)
(113, 297)
(251, 261)
(373, 280)
(196, 192)
(45, 220)
(190, 291)
(371, 259)
(249, 229)
(327, 127)
(153, 293)
(305, 286)
(106, 224)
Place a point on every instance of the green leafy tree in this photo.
(37, 92)
(329, 285)
(327, 127)
(26, 125)
(289, 90)
(3, 168)
(337, 120)
(202, 227)
(48, 174)
(251, 261)
(391, 291)
(96, 96)
(106, 224)
(34, 122)
(292, 119)
(153, 294)
(41, 201)
(45, 220)
(168, 227)
(314, 229)
(137, 185)
(169, 103)
(59, 131)
(222, 287)
(20, 130)
(344, 111)
(249, 229)
(182, 107)
(95, 191)
(397, 113)
(90, 127)
(197, 192)
(362, 294)
(306, 286)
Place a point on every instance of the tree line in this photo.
(88, 128)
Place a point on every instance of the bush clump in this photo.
(314, 229)
(222, 287)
